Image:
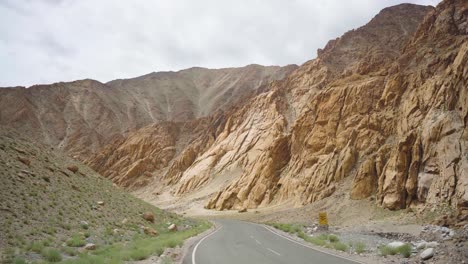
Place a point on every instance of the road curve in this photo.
(236, 242)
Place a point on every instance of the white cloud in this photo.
(60, 40)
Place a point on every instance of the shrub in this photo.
(36, 247)
(18, 260)
(316, 241)
(289, 228)
(405, 250)
(139, 254)
(360, 247)
(333, 238)
(386, 250)
(76, 241)
(340, 246)
(70, 251)
(51, 255)
(172, 243)
(323, 237)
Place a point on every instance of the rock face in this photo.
(385, 105)
(81, 116)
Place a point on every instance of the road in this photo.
(237, 242)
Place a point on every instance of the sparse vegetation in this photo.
(404, 250)
(340, 246)
(36, 247)
(289, 228)
(51, 255)
(323, 240)
(333, 238)
(41, 217)
(19, 260)
(359, 247)
(76, 241)
(141, 247)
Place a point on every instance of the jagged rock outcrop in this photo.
(80, 117)
(398, 127)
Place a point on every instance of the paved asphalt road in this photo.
(238, 242)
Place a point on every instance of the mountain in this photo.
(81, 116)
(384, 104)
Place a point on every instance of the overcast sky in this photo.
(45, 41)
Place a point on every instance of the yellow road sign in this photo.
(323, 220)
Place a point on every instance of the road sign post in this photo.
(323, 221)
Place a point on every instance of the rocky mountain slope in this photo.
(81, 116)
(52, 206)
(385, 104)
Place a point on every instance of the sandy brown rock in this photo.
(148, 216)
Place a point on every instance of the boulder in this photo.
(101, 203)
(172, 227)
(395, 244)
(427, 254)
(24, 160)
(242, 210)
(148, 216)
(72, 168)
(150, 231)
(90, 246)
(421, 245)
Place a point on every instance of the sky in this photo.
(46, 41)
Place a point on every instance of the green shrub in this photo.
(19, 260)
(405, 250)
(289, 228)
(340, 246)
(302, 235)
(36, 246)
(333, 238)
(316, 241)
(386, 250)
(139, 254)
(76, 241)
(70, 251)
(360, 247)
(172, 243)
(51, 255)
(323, 237)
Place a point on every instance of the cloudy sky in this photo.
(45, 41)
